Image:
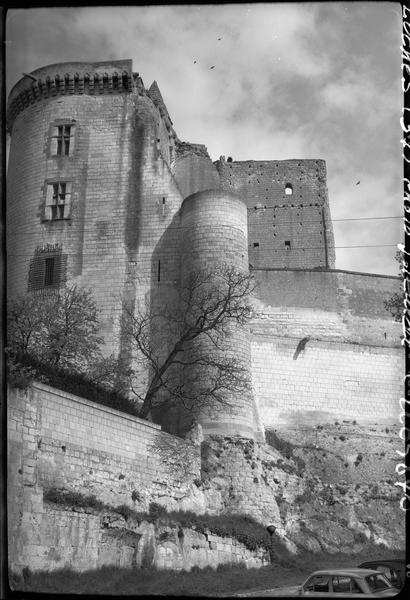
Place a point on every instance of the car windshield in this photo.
(377, 582)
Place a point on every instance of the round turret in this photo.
(214, 225)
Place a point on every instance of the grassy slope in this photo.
(198, 582)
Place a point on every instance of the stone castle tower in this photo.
(102, 192)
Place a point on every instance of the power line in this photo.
(367, 218)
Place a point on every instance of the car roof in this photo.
(385, 561)
(356, 571)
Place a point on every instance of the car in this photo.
(393, 568)
(348, 583)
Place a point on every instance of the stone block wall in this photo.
(323, 344)
(215, 237)
(123, 195)
(327, 381)
(92, 238)
(59, 441)
(289, 222)
(86, 539)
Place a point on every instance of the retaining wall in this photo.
(57, 440)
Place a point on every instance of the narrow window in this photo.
(58, 201)
(159, 270)
(287, 244)
(49, 272)
(288, 189)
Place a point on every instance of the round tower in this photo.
(88, 191)
(214, 230)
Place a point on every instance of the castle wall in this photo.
(328, 381)
(284, 229)
(123, 196)
(333, 304)
(195, 173)
(350, 363)
(57, 440)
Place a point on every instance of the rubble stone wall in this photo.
(289, 222)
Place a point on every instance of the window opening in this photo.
(47, 268)
(256, 244)
(49, 272)
(287, 244)
(58, 201)
(288, 189)
(62, 140)
(159, 271)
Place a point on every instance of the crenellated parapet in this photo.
(77, 78)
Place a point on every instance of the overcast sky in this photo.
(290, 80)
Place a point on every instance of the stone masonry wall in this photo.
(84, 539)
(324, 347)
(284, 229)
(326, 381)
(92, 238)
(56, 440)
(123, 195)
(333, 485)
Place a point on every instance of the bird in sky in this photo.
(358, 183)
(213, 67)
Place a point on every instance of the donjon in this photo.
(103, 193)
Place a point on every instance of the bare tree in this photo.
(183, 345)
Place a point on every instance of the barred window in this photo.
(47, 269)
(62, 140)
(58, 201)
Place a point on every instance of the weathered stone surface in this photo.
(285, 486)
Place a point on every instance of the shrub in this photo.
(156, 510)
(73, 383)
(243, 528)
(69, 498)
(135, 496)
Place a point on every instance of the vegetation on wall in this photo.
(395, 304)
(53, 338)
(243, 528)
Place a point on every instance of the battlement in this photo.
(106, 77)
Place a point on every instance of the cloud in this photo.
(291, 80)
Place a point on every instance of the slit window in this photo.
(58, 201)
(288, 189)
(62, 140)
(159, 271)
(287, 244)
(49, 271)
